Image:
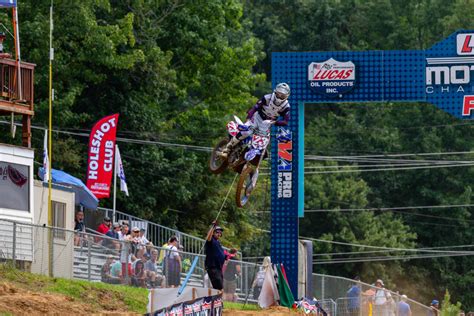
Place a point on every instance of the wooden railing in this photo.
(12, 98)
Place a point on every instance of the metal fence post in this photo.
(14, 245)
(88, 260)
(244, 288)
(322, 288)
(127, 247)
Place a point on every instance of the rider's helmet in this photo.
(281, 93)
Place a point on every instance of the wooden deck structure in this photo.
(10, 101)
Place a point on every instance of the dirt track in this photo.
(18, 301)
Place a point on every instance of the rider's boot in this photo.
(232, 142)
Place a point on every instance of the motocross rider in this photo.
(270, 107)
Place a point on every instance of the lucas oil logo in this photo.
(331, 77)
(285, 163)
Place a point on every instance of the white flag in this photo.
(120, 172)
(45, 158)
(269, 293)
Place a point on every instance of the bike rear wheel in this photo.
(244, 186)
(218, 164)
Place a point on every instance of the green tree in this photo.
(448, 308)
(172, 69)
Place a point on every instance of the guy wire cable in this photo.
(181, 288)
(375, 247)
(256, 258)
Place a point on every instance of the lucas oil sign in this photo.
(331, 77)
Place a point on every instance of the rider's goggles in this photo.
(281, 96)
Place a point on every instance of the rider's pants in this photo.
(254, 123)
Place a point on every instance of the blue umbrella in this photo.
(84, 196)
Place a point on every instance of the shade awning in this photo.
(84, 196)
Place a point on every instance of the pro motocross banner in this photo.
(100, 166)
(207, 306)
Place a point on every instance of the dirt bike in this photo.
(244, 158)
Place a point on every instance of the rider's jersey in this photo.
(268, 110)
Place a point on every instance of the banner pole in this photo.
(188, 275)
(50, 152)
(115, 184)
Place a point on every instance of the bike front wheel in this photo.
(245, 186)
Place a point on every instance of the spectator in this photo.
(151, 271)
(125, 253)
(113, 233)
(258, 283)
(186, 264)
(105, 272)
(149, 247)
(382, 300)
(135, 240)
(138, 276)
(353, 295)
(79, 227)
(173, 263)
(214, 256)
(124, 231)
(368, 300)
(116, 270)
(231, 270)
(142, 239)
(103, 228)
(403, 309)
(162, 255)
(145, 258)
(434, 311)
(140, 255)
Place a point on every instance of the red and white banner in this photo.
(100, 165)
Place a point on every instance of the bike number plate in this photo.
(232, 127)
(260, 141)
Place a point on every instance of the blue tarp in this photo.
(84, 196)
(7, 3)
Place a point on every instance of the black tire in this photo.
(244, 189)
(216, 164)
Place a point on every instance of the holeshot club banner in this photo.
(100, 166)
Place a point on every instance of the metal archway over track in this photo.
(440, 75)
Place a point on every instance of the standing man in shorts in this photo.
(232, 271)
(215, 256)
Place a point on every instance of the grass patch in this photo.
(101, 296)
(241, 306)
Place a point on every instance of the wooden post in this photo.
(152, 302)
(26, 131)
